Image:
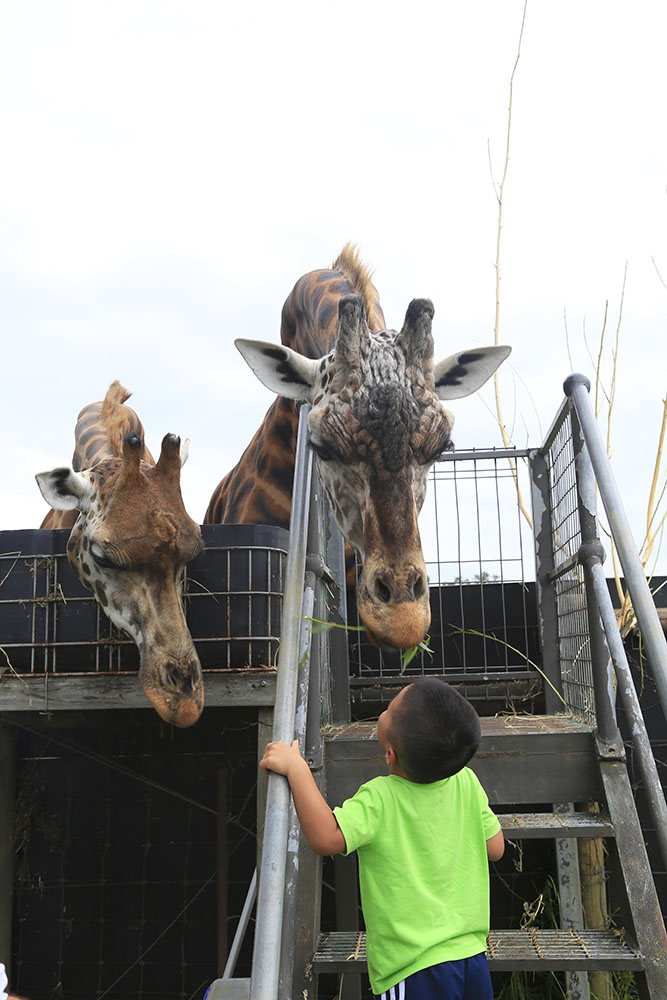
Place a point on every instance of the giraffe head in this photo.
(129, 545)
(376, 427)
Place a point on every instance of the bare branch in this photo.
(662, 280)
(567, 340)
(612, 391)
(598, 367)
(496, 328)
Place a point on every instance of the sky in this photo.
(169, 170)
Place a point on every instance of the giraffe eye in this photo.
(322, 453)
(97, 552)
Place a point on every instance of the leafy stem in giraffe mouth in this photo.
(406, 655)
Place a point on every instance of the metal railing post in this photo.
(292, 872)
(338, 640)
(591, 552)
(577, 388)
(547, 610)
(268, 929)
(628, 694)
(599, 602)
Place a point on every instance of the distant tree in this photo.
(482, 577)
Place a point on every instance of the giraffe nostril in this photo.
(382, 591)
(178, 678)
(418, 589)
(172, 675)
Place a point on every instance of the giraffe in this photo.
(131, 538)
(376, 427)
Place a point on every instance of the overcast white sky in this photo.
(169, 169)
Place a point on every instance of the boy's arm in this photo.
(315, 816)
(495, 846)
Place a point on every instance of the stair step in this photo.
(535, 826)
(537, 950)
(557, 757)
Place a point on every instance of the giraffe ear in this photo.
(63, 488)
(464, 373)
(280, 368)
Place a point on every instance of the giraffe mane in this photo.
(113, 416)
(358, 274)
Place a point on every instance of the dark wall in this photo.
(116, 888)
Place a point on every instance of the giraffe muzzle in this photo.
(175, 688)
(396, 612)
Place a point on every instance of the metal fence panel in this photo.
(568, 575)
(479, 555)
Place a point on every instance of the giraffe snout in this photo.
(175, 689)
(388, 591)
(178, 679)
(395, 607)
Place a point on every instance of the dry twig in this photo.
(500, 189)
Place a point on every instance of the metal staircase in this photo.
(569, 757)
(522, 760)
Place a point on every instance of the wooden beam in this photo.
(53, 693)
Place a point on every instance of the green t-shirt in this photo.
(423, 871)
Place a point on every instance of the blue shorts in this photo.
(464, 979)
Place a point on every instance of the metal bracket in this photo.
(614, 750)
(315, 757)
(315, 564)
(593, 551)
(229, 989)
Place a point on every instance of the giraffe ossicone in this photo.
(130, 541)
(376, 425)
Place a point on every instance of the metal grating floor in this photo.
(554, 950)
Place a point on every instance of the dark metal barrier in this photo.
(51, 624)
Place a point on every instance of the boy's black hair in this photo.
(435, 731)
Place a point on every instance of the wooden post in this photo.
(7, 806)
(223, 856)
(594, 900)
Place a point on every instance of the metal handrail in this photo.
(271, 895)
(577, 387)
(628, 694)
(289, 905)
(590, 556)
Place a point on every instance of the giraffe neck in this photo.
(310, 315)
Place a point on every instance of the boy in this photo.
(423, 835)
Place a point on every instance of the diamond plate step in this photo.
(553, 950)
(536, 826)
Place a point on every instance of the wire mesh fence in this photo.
(568, 575)
(51, 624)
(480, 561)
